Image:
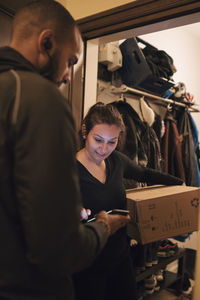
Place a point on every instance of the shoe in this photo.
(148, 264)
(157, 288)
(159, 275)
(173, 247)
(155, 262)
(167, 248)
(163, 250)
(148, 255)
(149, 291)
(150, 282)
(187, 288)
(154, 253)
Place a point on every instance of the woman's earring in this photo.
(84, 132)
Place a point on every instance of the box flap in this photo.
(159, 191)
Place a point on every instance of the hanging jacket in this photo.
(42, 241)
(141, 143)
(171, 149)
(195, 135)
(188, 152)
(133, 146)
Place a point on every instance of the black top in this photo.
(99, 196)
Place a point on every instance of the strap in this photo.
(17, 97)
(139, 40)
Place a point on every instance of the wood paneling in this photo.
(136, 14)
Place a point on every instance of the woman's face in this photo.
(101, 141)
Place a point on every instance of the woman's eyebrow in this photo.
(97, 135)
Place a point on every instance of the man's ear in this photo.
(45, 41)
(47, 44)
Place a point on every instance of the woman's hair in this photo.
(100, 113)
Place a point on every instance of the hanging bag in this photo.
(141, 73)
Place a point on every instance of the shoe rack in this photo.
(171, 280)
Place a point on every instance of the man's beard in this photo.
(50, 71)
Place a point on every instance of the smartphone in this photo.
(123, 212)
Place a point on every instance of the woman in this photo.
(101, 170)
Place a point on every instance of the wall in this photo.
(80, 9)
(5, 23)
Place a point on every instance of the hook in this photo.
(122, 98)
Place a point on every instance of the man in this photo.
(42, 240)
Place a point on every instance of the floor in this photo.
(164, 295)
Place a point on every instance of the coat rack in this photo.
(125, 89)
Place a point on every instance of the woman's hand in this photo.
(85, 213)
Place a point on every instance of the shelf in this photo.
(161, 264)
(169, 279)
(172, 281)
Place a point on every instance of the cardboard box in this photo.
(160, 212)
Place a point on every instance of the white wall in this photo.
(183, 45)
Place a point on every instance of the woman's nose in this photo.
(103, 147)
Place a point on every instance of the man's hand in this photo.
(112, 222)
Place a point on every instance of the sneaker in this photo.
(173, 247)
(150, 282)
(149, 291)
(163, 249)
(159, 275)
(148, 264)
(155, 262)
(154, 253)
(167, 248)
(157, 288)
(187, 287)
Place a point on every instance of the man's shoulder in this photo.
(35, 80)
(41, 95)
(39, 88)
(28, 80)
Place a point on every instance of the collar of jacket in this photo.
(12, 59)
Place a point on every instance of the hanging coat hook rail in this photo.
(125, 89)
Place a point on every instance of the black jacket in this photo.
(42, 241)
(187, 147)
(141, 143)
